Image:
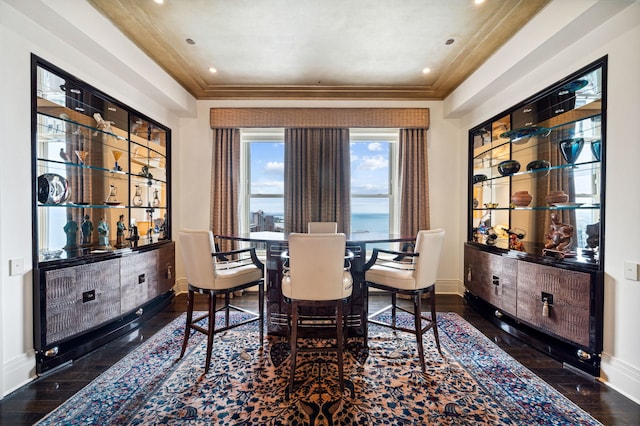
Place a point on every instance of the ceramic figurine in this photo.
(71, 229)
(103, 232)
(87, 230)
(120, 231)
(560, 236)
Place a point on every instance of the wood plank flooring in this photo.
(33, 401)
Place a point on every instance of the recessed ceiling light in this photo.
(162, 1)
(449, 41)
(212, 70)
(478, 1)
(426, 70)
(190, 41)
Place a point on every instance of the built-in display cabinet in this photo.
(103, 255)
(535, 238)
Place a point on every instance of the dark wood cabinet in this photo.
(103, 258)
(535, 241)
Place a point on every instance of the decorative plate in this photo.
(523, 134)
(52, 189)
(112, 203)
(572, 87)
(569, 204)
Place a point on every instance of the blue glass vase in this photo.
(595, 149)
(571, 148)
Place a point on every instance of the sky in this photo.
(369, 174)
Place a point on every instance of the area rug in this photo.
(473, 383)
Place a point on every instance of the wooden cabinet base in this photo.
(50, 359)
(572, 355)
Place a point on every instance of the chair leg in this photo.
(187, 328)
(432, 300)
(418, 325)
(393, 309)
(340, 343)
(293, 343)
(261, 311)
(211, 330)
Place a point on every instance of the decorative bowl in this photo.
(508, 167)
(538, 164)
(521, 198)
(554, 197)
(479, 178)
(491, 205)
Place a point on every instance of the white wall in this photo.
(512, 76)
(103, 58)
(194, 166)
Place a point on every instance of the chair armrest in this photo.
(224, 255)
(399, 256)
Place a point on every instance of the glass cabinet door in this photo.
(536, 177)
(92, 156)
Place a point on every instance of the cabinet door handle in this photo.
(496, 280)
(469, 273)
(168, 271)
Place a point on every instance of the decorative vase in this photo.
(595, 149)
(156, 199)
(571, 148)
(137, 198)
(521, 198)
(508, 167)
(554, 197)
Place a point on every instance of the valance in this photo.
(405, 118)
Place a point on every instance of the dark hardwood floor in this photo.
(33, 401)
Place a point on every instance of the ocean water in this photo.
(361, 222)
(370, 222)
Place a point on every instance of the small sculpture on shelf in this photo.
(560, 236)
(71, 229)
(515, 238)
(133, 234)
(103, 232)
(87, 230)
(593, 240)
(120, 230)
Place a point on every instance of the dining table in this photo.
(316, 322)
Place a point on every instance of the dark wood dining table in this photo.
(316, 321)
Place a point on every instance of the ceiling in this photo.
(319, 49)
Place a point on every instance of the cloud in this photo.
(375, 146)
(373, 163)
(274, 166)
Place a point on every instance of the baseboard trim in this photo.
(625, 376)
(18, 372)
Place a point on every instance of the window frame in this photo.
(356, 135)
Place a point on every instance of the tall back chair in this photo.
(409, 273)
(218, 273)
(322, 227)
(315, 275)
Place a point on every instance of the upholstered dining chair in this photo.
(214, 273)
(322, 227)
(412, 274)
(316, 273)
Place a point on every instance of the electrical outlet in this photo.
(631, 271)
(16, 266)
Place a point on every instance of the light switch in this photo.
(631, 271)
(16, 266)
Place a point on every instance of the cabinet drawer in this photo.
(569, 314)
(138, 279)
(491, 277)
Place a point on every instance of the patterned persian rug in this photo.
(474, 383)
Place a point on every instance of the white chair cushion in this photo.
(228, 276)
(392, 277)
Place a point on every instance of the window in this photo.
(262, 181)
(373, 180)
